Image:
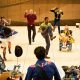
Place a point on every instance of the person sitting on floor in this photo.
(64, 39)
(66, 36)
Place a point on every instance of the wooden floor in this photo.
(28, 58)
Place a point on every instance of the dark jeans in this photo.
(29, 33)
(46, 33)
(57, 23)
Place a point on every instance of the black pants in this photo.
(57, 23)
(29, 33)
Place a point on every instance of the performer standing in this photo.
(57, 14)
(31, 17)
(46, 32)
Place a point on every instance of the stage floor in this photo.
(28, 58)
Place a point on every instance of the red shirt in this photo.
(30, 18)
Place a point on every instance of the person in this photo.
(66, 37)
(57, 15)
(5, 33)
(2, 65)
(31, 17)
(4, 21)
(48, 67)
(74, 73)
(46, 32)
(68, 33)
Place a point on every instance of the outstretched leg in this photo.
(49, 30)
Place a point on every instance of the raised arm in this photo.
(7, 22)
(26, 13)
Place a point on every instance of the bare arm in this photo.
(26, 13)
(7, 22)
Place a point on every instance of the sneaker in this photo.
(53, 37)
